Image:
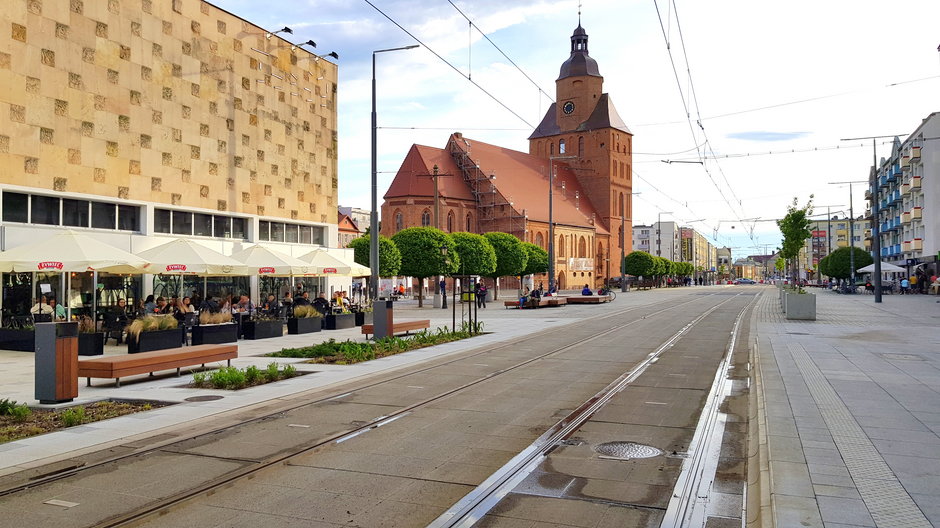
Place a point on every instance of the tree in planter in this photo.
(795, 227)
(537, 261)
(477, 256)
(639, 264)
(389, 255)
(511, 257)
(838, 263)
(421, 255)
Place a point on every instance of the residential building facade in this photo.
(641, 238)
(907, 187)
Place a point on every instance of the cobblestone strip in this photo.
(884, 496)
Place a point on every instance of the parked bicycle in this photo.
(608, 292)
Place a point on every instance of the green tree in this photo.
(795, 227)
(838, 263)
(421, 255)
(537, 261)
(477, 256)
(511, 257)
(389, 256)
(639, 264)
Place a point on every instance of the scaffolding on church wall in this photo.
(495, 212)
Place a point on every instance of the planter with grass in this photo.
(90, 340)
(339, 321)
(263, 328)
(153, 332)
(20, 339)
(306, 319)
(215, 329)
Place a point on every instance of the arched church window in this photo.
(580, 145)
(425, 219)
(469, 223)
(561, 146)
(621, 205)
(582, 248)
(551, 149)
(539, 240)
(450, 222)
(399, 221)
(561, 245)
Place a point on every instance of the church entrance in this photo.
(562, 283)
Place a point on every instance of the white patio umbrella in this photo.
(886, 267)
(269, 262)
(71, 251)
(326, 264)
(183, 256)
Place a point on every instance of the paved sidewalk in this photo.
(850, 412)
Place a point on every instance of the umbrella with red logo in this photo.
(269, 262)
(184, 256)
(70, 251)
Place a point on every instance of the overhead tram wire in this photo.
(484, 35)
(445, 61)
(698, 113)
(685, 106)
(452, 128)
(769, 152)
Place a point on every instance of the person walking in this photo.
(905, 284)
(481, 294)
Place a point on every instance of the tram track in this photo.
(473, 507)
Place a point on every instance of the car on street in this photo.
(744, 281)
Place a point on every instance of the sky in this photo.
(764, 92)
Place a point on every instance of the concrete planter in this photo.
(303, 325)
(263, 329)
(155, 340)
(800, 306)
(90, 344)
(215, 334)
(339, 321)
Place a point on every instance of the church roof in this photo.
(604, 116)
(413, 178)
(520, 177)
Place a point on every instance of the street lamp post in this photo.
(551, 222)
(374, 215)
(443, 291)
(852, 243)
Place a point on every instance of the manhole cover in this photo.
(208, 397)
(903, 357)
(626, 450)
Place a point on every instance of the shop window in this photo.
(202, 224)
(291, 233)
(45, 210)
(161, 221)
(306, 235)
(103, 215)
(182, 223)
(239, 229)
(222, 226)
(74, 213)
(15, 207)
(128, 218)
(264, 230)
(277, 232)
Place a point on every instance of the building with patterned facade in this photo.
(141, 120)
(581, 148)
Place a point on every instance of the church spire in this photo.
(579, 63)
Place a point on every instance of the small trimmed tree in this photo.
(511, 257)
(537, 261)
(477, 256)
(389, 256)
(639, 264)
(838, 263)
(421, 255)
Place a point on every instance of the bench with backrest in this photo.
(587, 299)
(121, 366)
(399, 327)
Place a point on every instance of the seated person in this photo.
(586, 290)
(41, 307)
(303, 299)
(321, 304)
(271, 306)
(58, 311)
(244, 305)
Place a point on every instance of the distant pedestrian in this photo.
(905, 284)
(481, 294)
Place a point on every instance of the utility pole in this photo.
(551, 222)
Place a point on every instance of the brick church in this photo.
(479, 187)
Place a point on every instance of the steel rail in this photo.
(179, 499)
(473, 506)
(688, 506)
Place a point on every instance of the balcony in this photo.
(883, 180)
(905, 163)
(905, 188)
(906, 245)
(868, 194)
(917, 244)
(895, 196)
(915, 153)
(917, 213)
(905, 217)
(915, 182)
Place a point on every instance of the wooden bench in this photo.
(399, 327)
(118, 367)
(587, 299)
(544, 302)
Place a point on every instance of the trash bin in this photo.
(56, 362)
(382, 317)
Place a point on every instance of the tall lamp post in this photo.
(374, 215)
(551, 222)
(852, 242)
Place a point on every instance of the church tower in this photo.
(583, 124)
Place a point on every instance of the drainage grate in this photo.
(626, 450)
(208, 397)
